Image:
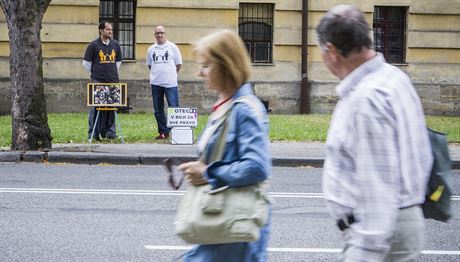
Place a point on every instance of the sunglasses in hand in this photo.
(172, 171)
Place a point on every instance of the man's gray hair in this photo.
(344, 26)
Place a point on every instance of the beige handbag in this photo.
(222, 215)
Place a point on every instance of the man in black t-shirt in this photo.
(102, 60)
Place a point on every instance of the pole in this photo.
(304, 85)
(94, 127)
(119, 127)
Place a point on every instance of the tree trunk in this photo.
(29, 117)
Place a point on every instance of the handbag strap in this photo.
(219, 147)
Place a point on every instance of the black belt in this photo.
(345, 222)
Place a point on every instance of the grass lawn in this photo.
(141, 128)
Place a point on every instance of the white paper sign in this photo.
(182, 136)
(182, 117)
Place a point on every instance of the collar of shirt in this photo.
(245, 89)
(349, 83)
(105, 43)
(216, 118)
(165, 44)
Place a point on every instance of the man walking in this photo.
(378, 156)
(102, 60)
(164, 61)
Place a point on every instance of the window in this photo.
(255, 25)
(390, 32)
(121, 13)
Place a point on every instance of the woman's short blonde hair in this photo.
(229, 58)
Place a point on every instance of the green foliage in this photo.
(446, 124)
(69, 127)
(141, 127)
(5, 131)
(299, 127)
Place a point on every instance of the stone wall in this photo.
(437, 99)
(283, 97)
(70, 96)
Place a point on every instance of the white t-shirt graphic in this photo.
(162, 60)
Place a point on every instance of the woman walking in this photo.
(225, 68)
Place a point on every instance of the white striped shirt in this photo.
(378, 156)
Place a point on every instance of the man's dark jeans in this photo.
(172, 97)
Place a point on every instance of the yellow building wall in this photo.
(416, 6)
(4, 49)
(71, 14)
(432, 47)
(185, 26)
(218, 4)
(67, 28)
(432, 41)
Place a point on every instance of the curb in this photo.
(140, 159)
(120, 159)
(10, 156)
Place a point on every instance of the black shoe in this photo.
(112, 137)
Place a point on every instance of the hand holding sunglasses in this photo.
(172, 171)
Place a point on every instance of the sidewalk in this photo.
(283, 154)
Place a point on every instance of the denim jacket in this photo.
(246, 159)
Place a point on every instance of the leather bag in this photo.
(223, 215)
(437, 203)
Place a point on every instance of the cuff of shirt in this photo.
(214, 181)
(358, 254)
(337, 210)
(211, 181)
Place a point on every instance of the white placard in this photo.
(182, 117)
(181, 136)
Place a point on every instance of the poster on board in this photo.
(107, 94)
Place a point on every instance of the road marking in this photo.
(296, 195)
(304, 250)
(136, 192)
(168, 247)
(148, 192)
(91, 191)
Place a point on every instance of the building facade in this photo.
(420, 37)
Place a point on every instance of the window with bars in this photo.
(255, 26)
(390, 32)
(121, 13)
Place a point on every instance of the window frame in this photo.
(261, 15)
(384, 29)
(116, 20)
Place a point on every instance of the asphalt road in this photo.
(62, 212)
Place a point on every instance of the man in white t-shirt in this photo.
(164, 61)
